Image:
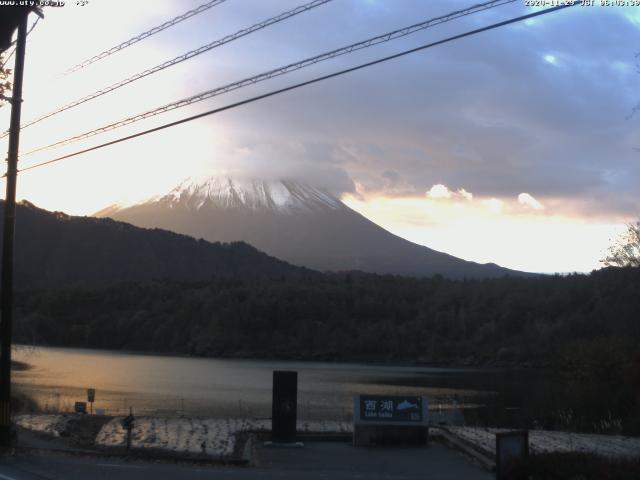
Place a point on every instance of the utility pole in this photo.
(6, 298)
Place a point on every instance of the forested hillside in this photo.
(55, 250)
(347, 317)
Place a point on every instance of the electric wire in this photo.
(181, 58)
(142, 36)
(33, 25)
(14, 48)
(7, 58)
(386, 37)
(302, 84)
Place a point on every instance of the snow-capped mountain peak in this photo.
(254, 194)
(292, 221)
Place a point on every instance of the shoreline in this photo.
(463, 364)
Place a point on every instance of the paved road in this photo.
(316, 461)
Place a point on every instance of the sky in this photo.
(516, 146)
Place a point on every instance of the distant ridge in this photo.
(58, 250)
(295, 222)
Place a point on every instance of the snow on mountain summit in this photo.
(226, 192)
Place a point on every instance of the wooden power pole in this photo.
(6, 298)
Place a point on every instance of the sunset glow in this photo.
(485, 229)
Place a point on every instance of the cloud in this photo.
(528, 201)
(315, 163)
(466, 195)
(398, 128)
(520, 126)
(439, 191)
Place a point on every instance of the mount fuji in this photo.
(295, 222)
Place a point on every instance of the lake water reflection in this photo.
(154, 384)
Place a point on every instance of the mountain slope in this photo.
(295, 222)
(58, 250)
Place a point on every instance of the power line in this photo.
(302, 84)
(34, 25)
(142, 36)
(280, 71)
(14, 51)
(6, 60)
(186, 56)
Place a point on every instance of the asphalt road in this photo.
(314, 461)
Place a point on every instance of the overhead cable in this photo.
(299, 85)
(279, 71)
(143, 35)
(178, 59)
(6, 60)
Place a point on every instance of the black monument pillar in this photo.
(284, 408)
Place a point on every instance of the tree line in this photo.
(352, 316)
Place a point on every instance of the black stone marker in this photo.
(284, 408)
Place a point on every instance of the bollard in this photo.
(510, 446)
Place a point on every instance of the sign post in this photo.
(91, 396)
(127, 423)
(387, 419)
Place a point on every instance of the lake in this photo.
(171, 385)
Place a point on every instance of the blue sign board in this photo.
(406, 409)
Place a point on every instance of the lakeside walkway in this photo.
(223, 439)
